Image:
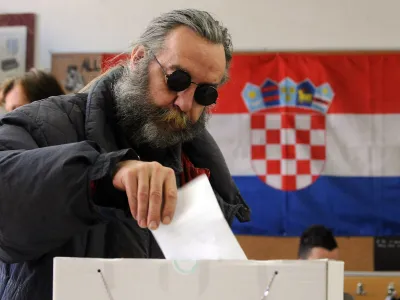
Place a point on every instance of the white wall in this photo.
(109, 25)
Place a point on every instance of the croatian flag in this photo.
(313, 139)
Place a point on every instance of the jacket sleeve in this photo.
(45, 194)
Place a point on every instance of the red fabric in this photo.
(190, 171)
(110, 60)
(92, 188)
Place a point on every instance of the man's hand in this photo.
(151, 190)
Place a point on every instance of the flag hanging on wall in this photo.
(314, 139)
(310, 139)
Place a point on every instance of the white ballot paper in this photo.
(198, 230)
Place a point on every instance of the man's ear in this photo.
(137, 54)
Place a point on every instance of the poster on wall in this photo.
(12, 51)
(27, 20)
(386, 253)
(75, 70)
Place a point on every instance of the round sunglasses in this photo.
(179, 80)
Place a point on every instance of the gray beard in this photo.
(140, 119)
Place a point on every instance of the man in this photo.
(318, 242)
(87, 175)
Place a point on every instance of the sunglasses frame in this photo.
(167, 76)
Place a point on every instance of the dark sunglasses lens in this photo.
(179, 80)
(206, 95)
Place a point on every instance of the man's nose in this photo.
(185, 99)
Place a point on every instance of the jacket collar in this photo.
(100, 122)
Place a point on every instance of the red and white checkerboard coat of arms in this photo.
(288, 136)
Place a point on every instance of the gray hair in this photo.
(199, 21)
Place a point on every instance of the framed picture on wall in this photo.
(12, 51)
(13, 23)
(17, 45)
(75, 70)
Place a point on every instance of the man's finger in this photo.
(131, 188)
(155, 197)
(143, 196)
(170, 197)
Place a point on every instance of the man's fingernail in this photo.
(142, 223)
(167, 220)
(153, 225)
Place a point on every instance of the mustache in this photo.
(174, 117)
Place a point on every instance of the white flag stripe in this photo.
(356, 145)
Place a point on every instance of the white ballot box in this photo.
(145, 279)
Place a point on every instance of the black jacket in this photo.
(51, 153)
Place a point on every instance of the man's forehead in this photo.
(321, 253)
(187, 51)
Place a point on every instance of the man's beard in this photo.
(142, 121)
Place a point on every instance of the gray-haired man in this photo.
(87, 175)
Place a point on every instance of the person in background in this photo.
(92, 174)
(3, 84)
(318, 242)
(32, 86)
